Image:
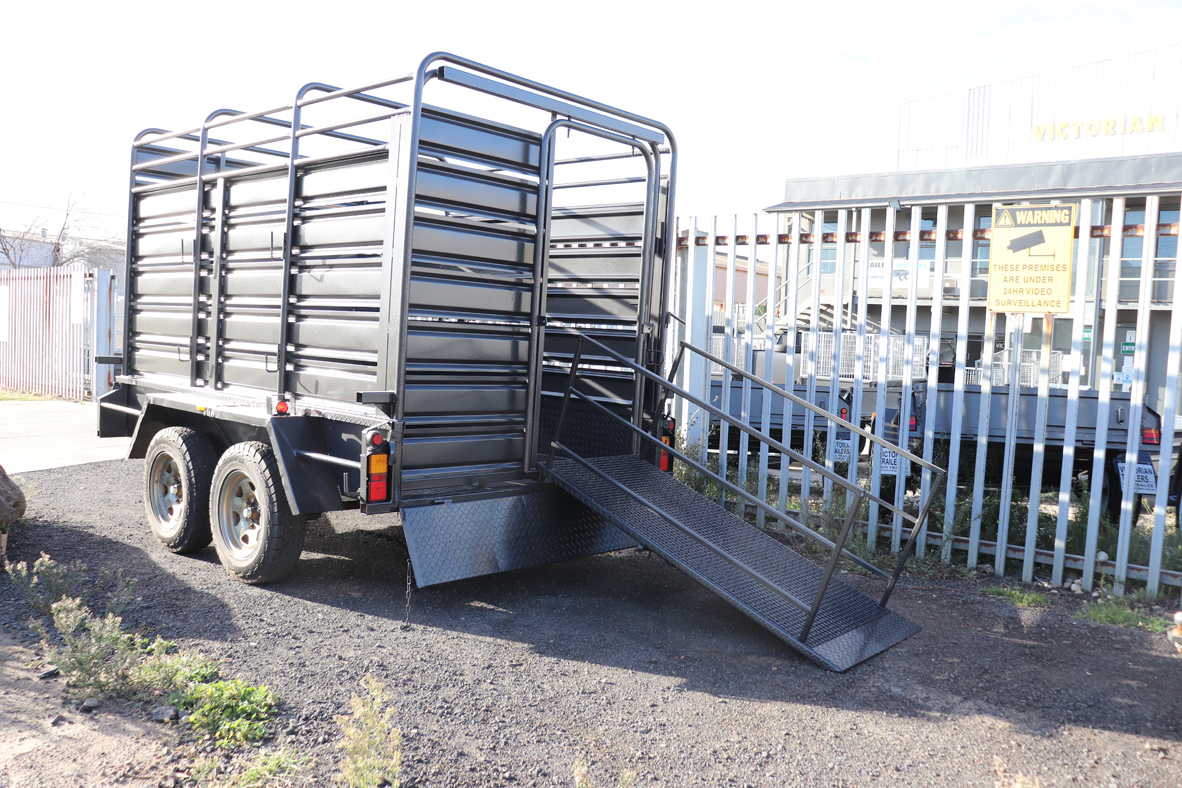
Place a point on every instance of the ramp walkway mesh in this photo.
(727, 557)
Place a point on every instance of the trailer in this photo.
(424, 296)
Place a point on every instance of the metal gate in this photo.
(53, 322)
(927, 366)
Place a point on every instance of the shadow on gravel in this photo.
(977, 656)
(164, 597)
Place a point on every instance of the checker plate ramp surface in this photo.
(849, 627)
(452, 541)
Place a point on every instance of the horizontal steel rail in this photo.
(767, 508)
(777, 445)
(816, 409)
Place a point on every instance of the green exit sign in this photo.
(1087, 334)
(1128, 348)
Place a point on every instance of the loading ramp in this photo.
(829, 622)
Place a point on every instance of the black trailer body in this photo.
(380, 271)
(433, 308)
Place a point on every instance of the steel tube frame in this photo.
(851, 513)
(738, 424)
(763, 506)
(752, 573)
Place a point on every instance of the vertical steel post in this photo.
(792, 286)
(882, 374)
(748, 345)
(1080, 277)
(1128, 515)
(933, 378)
(1169, 420)
(1103, 384)
(838, 546)
(806, 481)
(769, 364)
(834, 403)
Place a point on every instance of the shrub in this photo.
(372, 745)
(95, 653)
(48, 583)
(231, 712)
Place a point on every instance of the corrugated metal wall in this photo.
(48, 331)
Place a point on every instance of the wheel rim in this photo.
(167, 493)
(239, 518)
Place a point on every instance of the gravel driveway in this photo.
(625, 663)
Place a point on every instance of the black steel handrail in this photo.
(783, 449)
(837, 549)
(767, 508)
(753, 573)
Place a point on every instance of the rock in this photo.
(88, 705)
(12, 501)
(164, 713)
(58, 720)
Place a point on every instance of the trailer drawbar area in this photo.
(444, 295)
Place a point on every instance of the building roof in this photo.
(1155, 174)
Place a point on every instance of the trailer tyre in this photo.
(257, 537)
(177, 471)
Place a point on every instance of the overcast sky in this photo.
(756, 92)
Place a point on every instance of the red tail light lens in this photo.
(914, 424)
(377, 486)
(1151, 436)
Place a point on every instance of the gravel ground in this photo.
(623, 662)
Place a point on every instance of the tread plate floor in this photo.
(849, 627)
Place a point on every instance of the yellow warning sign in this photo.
(1030, 258)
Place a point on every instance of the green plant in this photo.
(48, 582)
(172, 675)
(1123, 614)
(583, 781)
(231, 712)
(372, 745)
(262, 770)
(95, 653)
(119, 598)
(1019, 598)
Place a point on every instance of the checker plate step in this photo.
(850, 627)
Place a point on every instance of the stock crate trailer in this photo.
(442, 295)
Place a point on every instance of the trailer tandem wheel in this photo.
(257, 537)
(177, 472)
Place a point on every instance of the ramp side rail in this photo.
(666, 387)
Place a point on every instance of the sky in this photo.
(755, 92)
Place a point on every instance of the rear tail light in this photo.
(914, 422)
(1151, 436)
(668, 432)
(377, 487)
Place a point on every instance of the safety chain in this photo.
(409, 579)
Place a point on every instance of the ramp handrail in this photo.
(837, 549)
(666, 386)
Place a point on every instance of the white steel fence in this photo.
(53, 321)
(1098, 388)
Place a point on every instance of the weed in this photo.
(263, 770)
(231, 712)
(1123, 614)
(583, 781)
(174, 676)
(372, 745)
(95, 653)
(1019, 598)
(119, 598)
(48, 582)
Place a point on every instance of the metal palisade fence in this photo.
(53, 322)
(1036, 472)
